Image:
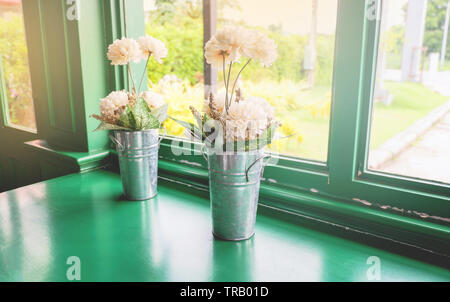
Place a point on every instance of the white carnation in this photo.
(113, 104)
(152, 46)
(216, 53)
(247, 119)
(153, 99)
(123, 51)
(260, 47)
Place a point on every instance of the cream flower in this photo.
(233, 38)
(260, 47)
(123, 51)
(152, 46)
(112, 106)
(246, 120)
(215, 52)
(153, 99)
(260, 102)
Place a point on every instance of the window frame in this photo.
(339, 193)
(342, 176)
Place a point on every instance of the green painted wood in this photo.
(325, 209)
(18, 167)
(343, 178)
(69, 73)
(168, 239)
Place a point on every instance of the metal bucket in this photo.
(138, 160)
(234, 180)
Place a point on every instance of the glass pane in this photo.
(410, 132)
(14, 66)
(179, 24)
(298, 85)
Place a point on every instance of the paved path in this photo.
(428, 157)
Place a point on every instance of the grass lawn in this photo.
(411, 102)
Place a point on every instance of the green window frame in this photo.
(342, 190)
(339, 194)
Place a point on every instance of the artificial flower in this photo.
(112, 106)
(152, 47)
(123, 51)
(260, 47)
(153, 99)
(216, 53)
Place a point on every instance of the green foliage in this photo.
(434, 28)
(14, 60)
(183, 37)
(139, 117)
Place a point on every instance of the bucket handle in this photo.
(203, 153)
(115, 141)
(162, 137)
(251, 166)
(121, 147)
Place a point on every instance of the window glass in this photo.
(410, 133)
(179, 24)
(299, 83)
(14, 69)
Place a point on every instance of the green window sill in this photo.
(169, 239)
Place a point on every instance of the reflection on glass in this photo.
(14, 72)
(298, 85)
(410, 132)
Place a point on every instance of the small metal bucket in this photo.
(234, 180)
(138, 160)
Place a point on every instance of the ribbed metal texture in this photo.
(138, 159)
(234, 180)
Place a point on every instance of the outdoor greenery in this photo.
(436, 11)
(14, 68)
(304, 112)
(411, 102)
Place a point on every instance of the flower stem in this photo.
(225, 82)
(237, 78)
(143, 75)
(131, 76)
(228, 103)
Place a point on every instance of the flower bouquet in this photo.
(135, 118)
(235, 129)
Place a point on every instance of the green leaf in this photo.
(107, 126)
(144, 119)
(161, 113)
(127, 119)
(193, 130)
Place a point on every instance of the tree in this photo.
(434, 26)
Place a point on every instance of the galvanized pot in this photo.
(234, 180)
(138, 160)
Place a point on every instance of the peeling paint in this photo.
(425, 215)
(350, 229)
(403, 211)
(190, 163)
(365, 202)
